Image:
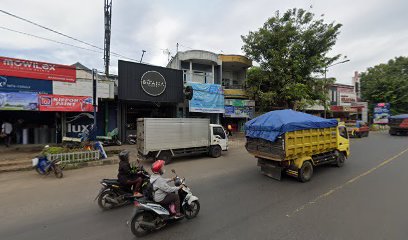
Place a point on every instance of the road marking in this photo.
(333, 190)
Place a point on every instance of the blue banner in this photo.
(15, 84)
(381, 113)
(207, 98)
(18, 101)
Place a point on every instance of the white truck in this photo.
(165, 138)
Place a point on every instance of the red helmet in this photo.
(157, 166)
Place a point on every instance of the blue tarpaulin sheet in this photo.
(271, 125)
(401, 116)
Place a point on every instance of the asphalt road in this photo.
(365, 199)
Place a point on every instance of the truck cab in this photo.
(218, 136)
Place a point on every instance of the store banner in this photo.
(37, 70)
(18, 101)
(239, 112)
(63, 103)
(207, 98)
(381, 113)
(15, 84)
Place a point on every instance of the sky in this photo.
(372, 33)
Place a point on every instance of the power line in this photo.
(63, 43)
(62, 34)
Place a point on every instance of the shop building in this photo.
(40, 98)
(218, 83)
(146, 91)
(238, 108)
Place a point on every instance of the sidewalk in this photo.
(18, 157)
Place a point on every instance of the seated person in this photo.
(125, 177)
(162, 192)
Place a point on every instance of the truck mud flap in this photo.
(272, 171)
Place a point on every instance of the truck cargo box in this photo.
(155, 134)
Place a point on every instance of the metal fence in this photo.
(75, 157)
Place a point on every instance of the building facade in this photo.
(227, 104)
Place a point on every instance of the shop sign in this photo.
(153, 83)
(36, 70)
(14, 84)
(78, 123)
(18, 101)
(381, 113)
(239, 112)
(83, 87)
(207, 98)
(240, 103)
(346, 99)
(63, 103)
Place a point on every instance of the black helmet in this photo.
(124, 155)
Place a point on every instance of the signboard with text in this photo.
(62, 103)
(18, 101)
(37, 70)
(207, 98)
(15, 84)
(381, 113)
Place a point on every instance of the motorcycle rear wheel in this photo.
(137, 229)
(57, 171)
(192, 210)
(103, 203)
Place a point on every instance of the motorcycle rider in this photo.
(125, 177)
(163, 193)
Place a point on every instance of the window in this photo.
(219, 131)
(343, 132)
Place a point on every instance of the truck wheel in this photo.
(392, 132)
(340, 160)
(215, 151)
(306, 172)
(166, 156)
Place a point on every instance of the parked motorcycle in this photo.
(150, 216)
(44, 167)
(111, 139)
(131, 139)
(113, 194)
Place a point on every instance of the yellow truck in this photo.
(291, 142)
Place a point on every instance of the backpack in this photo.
(148, 191)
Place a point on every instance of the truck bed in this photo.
(295, 144)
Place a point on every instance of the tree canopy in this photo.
(387, 83)
(289, 49)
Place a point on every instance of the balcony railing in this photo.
(234, 86)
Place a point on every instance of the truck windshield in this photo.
(219, 131)
(343, 132)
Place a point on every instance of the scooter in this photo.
(111, 139)
(44, 167)
(131, 139)
(113, 194)
(150, 216)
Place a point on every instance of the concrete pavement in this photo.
(363, 200)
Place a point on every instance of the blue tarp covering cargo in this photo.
(271, 125)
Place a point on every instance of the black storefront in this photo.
(146, 91)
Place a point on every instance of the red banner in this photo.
(63, 103)
(38, 70)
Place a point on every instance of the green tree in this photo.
(291, 51)
(387, 83)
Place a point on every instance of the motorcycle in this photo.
(131, 139)
(44, 167)
(113, 194)
(150, 216)
(111, 139)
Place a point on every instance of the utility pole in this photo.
(94, 100)
(143, 52)
(108, 18)
(177, 45)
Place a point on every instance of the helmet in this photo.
(157, 166)
(124, 155)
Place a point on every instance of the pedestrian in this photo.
(229, 127)
(6, 130)
(18, 130)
